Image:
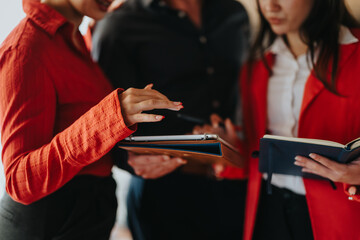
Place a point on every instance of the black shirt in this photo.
(146, 42)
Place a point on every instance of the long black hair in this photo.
(320, 29)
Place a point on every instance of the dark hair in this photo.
(320, 29)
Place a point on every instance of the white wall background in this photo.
(10, 14)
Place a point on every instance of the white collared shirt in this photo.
(285, 95)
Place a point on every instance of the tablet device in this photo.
(192, 137)
(205, 148)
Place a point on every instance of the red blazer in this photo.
(323, 115)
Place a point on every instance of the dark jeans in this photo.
(181, 206)
(84, 208)
(282, 215)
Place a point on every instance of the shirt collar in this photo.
(345, 37)
(44, 16)
(278, 46)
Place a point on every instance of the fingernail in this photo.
(166, 157)
(177, 103)
(297, 163)
(312, 155)
(159, 117)
(181, 160)
(352, 190)
(297, 158)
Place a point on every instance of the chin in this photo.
(278, 30)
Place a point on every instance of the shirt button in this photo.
(210, 70)
(287, 195)
(181, 14)
(203, 39)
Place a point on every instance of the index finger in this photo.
(325, 161)
(215, 120)
(230, 129)
(147, 91)
(151, 104)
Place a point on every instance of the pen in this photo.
(201, 121)
(191, 118)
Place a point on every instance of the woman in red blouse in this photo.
(302, 81)
(60, 118)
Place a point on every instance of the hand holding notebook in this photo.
(338, 172)
(332, 160)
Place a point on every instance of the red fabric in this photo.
(234, 173)
(59, 115)
(323, 116)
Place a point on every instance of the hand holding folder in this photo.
(203, 148)
(153, 166)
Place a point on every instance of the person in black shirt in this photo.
(191, 51)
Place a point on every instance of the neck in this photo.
(191, 7)
(67, 10)
(296, 45)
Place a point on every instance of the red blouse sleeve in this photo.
(36, 162)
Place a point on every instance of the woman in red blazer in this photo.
(329, 109)
(302, 80)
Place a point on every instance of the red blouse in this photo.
(59, 115)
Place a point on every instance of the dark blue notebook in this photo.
(277, 153)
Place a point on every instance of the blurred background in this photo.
(11, 13)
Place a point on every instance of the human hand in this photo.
(338, 172)
(154, 166)
(134, 101)
(225, 129)
(115, 5)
